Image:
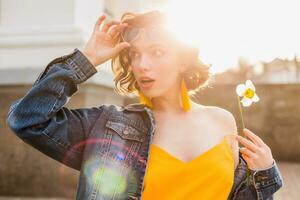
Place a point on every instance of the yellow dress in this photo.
(209, 176)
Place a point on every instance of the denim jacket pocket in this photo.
(125, 131)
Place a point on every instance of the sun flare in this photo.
(225, 31)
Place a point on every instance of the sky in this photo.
(255, 30)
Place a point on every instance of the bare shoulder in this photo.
(221, 117)
(224, 117)
(226, 120)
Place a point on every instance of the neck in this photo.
(169, 103)
(166, 105)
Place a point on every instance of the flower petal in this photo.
(246, 102)
(240, 89)
(250, 85)
(255, 98)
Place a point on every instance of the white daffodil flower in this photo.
(247, 91)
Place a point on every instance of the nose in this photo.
(144, 63)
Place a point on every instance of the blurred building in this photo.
(278, 71)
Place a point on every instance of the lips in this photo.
(146, 82)
(146, 79)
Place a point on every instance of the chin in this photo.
(150, 93)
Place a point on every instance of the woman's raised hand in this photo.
(257, 154)
(103, 44)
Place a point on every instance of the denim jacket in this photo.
(108, 144)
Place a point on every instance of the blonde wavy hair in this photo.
(196, 76)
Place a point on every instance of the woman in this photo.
(166, 147)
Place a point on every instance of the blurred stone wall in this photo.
(27, 172)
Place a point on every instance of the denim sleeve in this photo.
(263, 183)
(40, 119)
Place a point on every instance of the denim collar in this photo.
(136, 107)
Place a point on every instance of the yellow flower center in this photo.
(249, 93)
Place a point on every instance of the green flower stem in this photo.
(241, 112)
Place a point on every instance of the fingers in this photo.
(109, 24)
(257, 140)
(247, 152)
(247, 143)
(116, 29)
(99, 22)
(106, 26)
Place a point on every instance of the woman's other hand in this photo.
(257, 154)
(103, 44)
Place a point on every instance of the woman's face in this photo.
(157, 58)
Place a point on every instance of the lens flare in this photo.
(110, 172)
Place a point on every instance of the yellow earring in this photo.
(185, 99)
